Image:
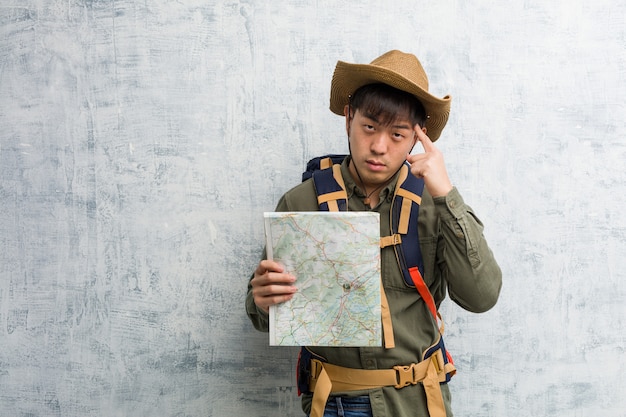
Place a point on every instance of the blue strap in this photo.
(410, 254)
(325, 183)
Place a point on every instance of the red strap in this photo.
(449, 357)
(416, 276)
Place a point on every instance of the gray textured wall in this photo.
(140, 143)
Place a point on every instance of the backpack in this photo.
(325, 172)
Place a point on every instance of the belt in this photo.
(327, 379)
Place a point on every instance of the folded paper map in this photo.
(335, 257)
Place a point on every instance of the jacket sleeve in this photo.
(465, 260)
(258, 316)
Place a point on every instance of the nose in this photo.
(379, 143)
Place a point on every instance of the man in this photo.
(387, 110)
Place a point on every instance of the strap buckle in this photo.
(437, 360)
(405, 375)
(416, 372)
(392, 240)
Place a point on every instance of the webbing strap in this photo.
(408, 198)
(330, 188)
(405, 216)
(332, 198)
(422, 288)
(327, 379)
(392, 240)
(339, 178)
(434, 399)
(325, 198)
(411, 196)
(321, 390)
(326, 163)
(385, 312)
(404, 173)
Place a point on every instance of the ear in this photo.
(346, 113)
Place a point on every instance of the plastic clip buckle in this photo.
(405, 375)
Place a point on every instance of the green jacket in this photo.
(457, 259)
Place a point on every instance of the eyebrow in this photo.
(394, 126)
(405, 126)
(371, 117)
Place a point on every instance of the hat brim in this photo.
(348, 78)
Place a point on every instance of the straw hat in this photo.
(397, 69)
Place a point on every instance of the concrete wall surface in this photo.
(140, 143)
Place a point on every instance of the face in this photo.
(377, 151)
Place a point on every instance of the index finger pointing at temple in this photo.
(425, 140)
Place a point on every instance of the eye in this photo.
(369, 128)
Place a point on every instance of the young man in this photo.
(387, 110)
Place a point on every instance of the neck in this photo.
(371, 194)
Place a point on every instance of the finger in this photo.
(424, 140)
(273, 294)
(265, 275)
(272, 278)
(417, 169)
(274, 290)
(266, 302)
(266, 266)
(415, 158)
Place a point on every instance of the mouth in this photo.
(375, 165)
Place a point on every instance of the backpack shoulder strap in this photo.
(405, 213)
(321, 162)
(329, 186)
(404, 217)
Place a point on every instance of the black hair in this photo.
(387, 104)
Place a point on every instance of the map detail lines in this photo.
(335, 257)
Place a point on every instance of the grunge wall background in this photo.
(140, 143)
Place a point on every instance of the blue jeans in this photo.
(348, 407)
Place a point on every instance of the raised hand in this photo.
(430, 166)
